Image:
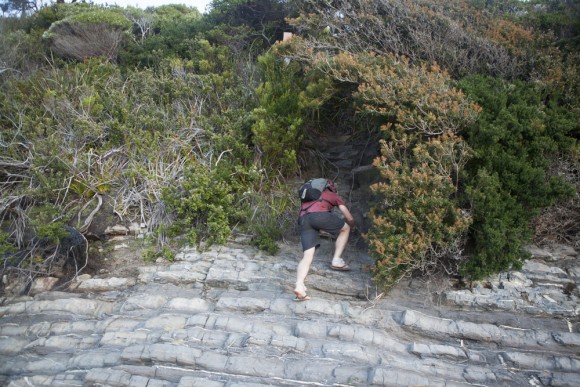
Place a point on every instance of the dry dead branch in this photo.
(84, 228)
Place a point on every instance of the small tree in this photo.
(277, 127)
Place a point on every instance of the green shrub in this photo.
(506, 181)
(113, 19)
(417, 224)
(277, 126)
(266, 235)
(171, 32)
(271, 213)
(165, 252)
(202, 203)
(500, 227)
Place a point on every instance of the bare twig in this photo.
(83, 229)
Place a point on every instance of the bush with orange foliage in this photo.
(417, 223)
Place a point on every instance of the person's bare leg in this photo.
(340, 245)
(302, 272)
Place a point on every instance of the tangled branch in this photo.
(407, 28)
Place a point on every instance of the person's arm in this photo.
(347, 215)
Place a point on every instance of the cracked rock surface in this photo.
(226, 317)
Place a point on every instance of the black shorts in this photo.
(313, 222)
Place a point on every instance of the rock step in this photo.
(186, 377)
(343, 343)
(161, 376)
(180, 361)
(78, 306)
(227, 318)
(244, 302)
(488, 333)
(232, 362)
(317, 338)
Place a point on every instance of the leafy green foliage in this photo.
(96, 32)
(77, 129)
(150, 255)
(121, 135)
(271, 214)
(452, 34)
(515, 131)
(416, 222)
(170, 32)
(20, 53)
(264, 20)
(500, 228)
(113, 19)
(267, 234)
(278, 119)
(203, 205)
(46, 224)
(191, 122)
(507, 181)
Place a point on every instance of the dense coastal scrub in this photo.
(193, 124)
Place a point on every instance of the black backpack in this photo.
(312, 189)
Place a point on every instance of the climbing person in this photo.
(316, 217)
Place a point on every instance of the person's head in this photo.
(330, 185)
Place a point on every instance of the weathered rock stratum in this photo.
(226, 317)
